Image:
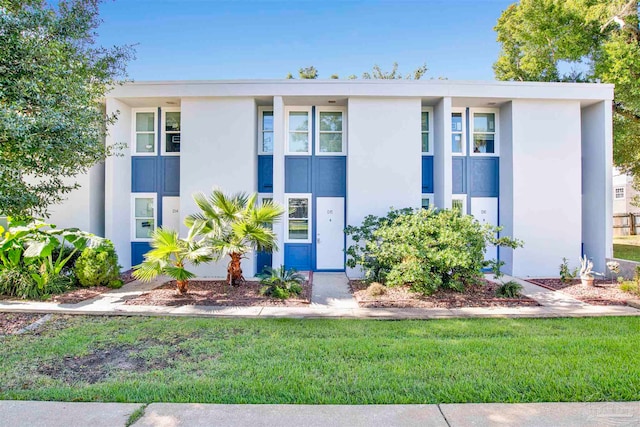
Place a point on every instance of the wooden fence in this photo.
(626, 224)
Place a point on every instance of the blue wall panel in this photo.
(264, 259)
(427, 174)
(171, 176)
(144, 171)
(298, 256)
(459, 175)
(265, 174)
(138, 249)
(484, 180)
(330, 176)
(297, 174)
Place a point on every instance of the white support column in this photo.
(597, 146)
(278, 175)
(117, 219)
(442, 168)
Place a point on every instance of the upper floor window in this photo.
(427, 113)
(457, 133)
(331, 135)
(298, 130)
(484, 135)
(171, 130)
(265, 132)
(144, 138)
(619, 193)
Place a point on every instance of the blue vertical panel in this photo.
(484, 181)
(297, 174)
(265, 174)
(170, 176)
(298, 256)
(144, 172)
(459, 175)
(427, 174)
(138, 249)
(264, 259)
(330, 176)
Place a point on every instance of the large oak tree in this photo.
(53, 78)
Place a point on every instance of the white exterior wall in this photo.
(218, 149)
(75, 211)
(384, 166)
(505, 208)
(442, 167)
(597, 146)
(117, 201)
(546, 181)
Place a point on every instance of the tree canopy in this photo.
(579, 40)
(376, 73)
(53, 78)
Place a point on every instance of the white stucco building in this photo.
(534, 158)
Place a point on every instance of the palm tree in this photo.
(234, 225)
(168, 256)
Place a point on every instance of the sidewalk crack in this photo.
(443, 415)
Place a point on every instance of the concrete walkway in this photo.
(64, 414)
(330, 299)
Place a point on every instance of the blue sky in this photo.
(206, 39)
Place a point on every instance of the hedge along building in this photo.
(532, 157)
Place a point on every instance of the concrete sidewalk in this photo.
(65, 414)
(331, 299)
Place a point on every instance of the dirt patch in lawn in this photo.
(603, 292)
(10, 323)
(482, 294)
(218, 292)
(101, 364)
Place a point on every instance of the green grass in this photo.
(629, 252)
(324, 361)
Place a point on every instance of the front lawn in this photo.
(629, 252)
(140, 359)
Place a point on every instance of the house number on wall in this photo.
(330, 212)
(483, 212)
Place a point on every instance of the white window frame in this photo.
(163, 131)
(463, 133)
(462, 197)
(134, 133)
(288, 110)
(261, 111)
(288, 197)
(135, 196)
(615, 193)
(429, 130)
(322, 109)
(430, 197)
(496, 134)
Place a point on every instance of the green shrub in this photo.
(630, 286)
(426, 249)
(20, 283)
(98, 266)
(281, 283)
(376, 289)
(566, 275)
(510, 289)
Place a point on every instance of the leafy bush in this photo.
(19, 282)
(98, 266)
(510, 289)
(281, 283)
(566, 275)
(630, 286)
(426, 249)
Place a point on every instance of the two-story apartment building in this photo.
(533, 158)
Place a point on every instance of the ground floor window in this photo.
(427, 201)
(459, 202)
(298, 218)
(144, 215)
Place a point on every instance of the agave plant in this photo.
(169, 255)
(234, 225)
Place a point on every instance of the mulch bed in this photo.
(480, 295)
(218, 292)
(10, 323)
(603, 292)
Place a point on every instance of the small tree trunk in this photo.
(182, 286)
(234, 269)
